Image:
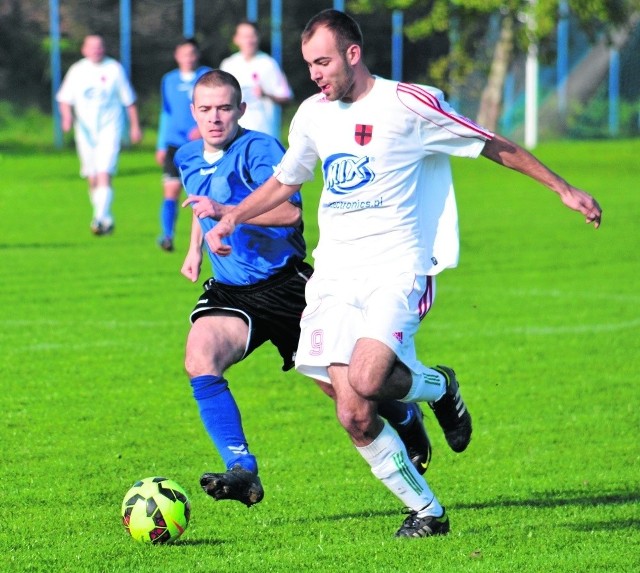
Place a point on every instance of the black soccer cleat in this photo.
(414, 437)
(452, 413)
(414, 526)
(99, 229)
(166, 244)
(236, 483)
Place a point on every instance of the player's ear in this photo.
(193, 111)
(242, 107)
(354, 54)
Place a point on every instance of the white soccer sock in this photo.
(102, 197)
(426, 386)
(390, 463)
(92, 199)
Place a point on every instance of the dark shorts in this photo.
(169, 169)
(271, 308)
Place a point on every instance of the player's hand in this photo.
(160, 155)
(135, 134)
(583, 203)
(214, 238)
(203, 206)
(191, 266)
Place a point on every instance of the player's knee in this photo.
(356, 421)
(197, 364)
(365, 383)
(191, 366)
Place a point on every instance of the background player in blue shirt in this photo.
(257, 293)
(176, 127)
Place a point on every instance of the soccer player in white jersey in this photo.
(264, 86)
(388, 226)
(91, 99)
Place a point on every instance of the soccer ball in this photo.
(156, 510)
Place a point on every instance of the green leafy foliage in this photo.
(469, 29)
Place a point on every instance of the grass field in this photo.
(541, 321)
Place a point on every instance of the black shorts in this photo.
(169, 169)
(271, 308)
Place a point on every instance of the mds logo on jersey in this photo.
(344, 173)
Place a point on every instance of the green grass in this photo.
(540, 320)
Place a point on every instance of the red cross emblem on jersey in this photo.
(363, 133)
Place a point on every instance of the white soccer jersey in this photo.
(97, 93)
(263, 71)
(387, 204)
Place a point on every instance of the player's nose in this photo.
(315, 74)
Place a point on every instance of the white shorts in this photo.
(98, 151)
(339, 312)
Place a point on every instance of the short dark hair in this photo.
(218, 78)
(344, 28)
(188, 42)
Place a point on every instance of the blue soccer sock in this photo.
(221, 418)
(397, 413)
(168, 216)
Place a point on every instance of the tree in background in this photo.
(485, 36)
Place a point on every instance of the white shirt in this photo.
(97, 93)
(261, 70)
(387, 204)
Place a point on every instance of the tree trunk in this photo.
(491, 99)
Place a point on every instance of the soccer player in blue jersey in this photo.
(257, 293)
(176, 127)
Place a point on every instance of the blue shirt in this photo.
(257, 252)
(176, 120)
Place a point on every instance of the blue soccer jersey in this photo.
(257, 252)
(176, 121)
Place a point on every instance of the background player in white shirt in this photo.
(264, 85)
(91, 100)
(387, 227)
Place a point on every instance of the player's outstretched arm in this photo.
(264, 199)
(511, 155)
(284, 215)
(193, 260)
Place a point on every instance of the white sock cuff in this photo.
(384, 440)
(426, 386)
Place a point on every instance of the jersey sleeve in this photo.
(262, 155)
(66, 93)
(125, 89)
(298, 163)
(163, 119)
(163, 122)
(275, 82)
(442, 129)
(226, 65)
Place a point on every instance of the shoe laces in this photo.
(412, 517)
